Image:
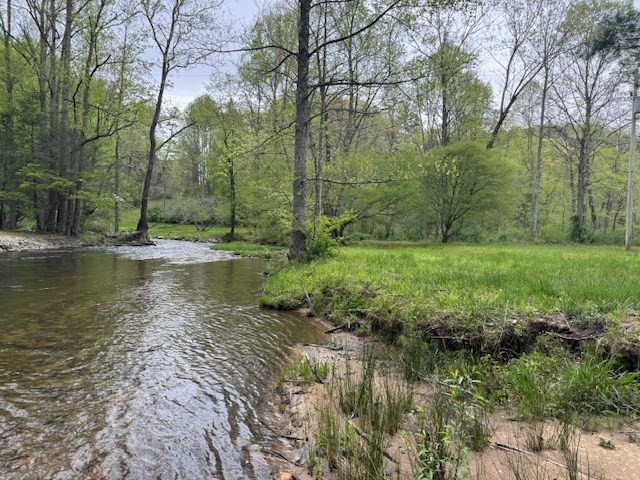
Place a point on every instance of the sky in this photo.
(187, 85)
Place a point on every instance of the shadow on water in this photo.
(137, 363)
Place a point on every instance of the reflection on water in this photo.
(136, 363)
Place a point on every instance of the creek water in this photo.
(137, 363)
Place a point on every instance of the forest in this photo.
(432, 120)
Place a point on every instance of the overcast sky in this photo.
(188, 85)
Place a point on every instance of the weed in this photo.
(356, 397)
(306, 373)
(328, 436)
(529, 376)
(450, 429)
(593, 386)
(535, 437)
(608, 444)
(397, 401)
(313, 462)
(566, 433)
(571, 458)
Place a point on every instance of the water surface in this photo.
(137, 363)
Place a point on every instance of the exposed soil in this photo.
(25, 241)
(607, 448)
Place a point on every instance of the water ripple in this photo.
(141, 363)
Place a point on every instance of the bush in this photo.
(271, 228)
(322, 239)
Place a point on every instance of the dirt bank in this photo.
(25, 241)
(607, 448)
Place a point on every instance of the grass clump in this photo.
(365, 408)
(569, 387)
(305, 373)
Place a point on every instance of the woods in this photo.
(407, 120)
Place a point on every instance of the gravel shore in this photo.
(24, 241)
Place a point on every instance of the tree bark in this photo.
(232, 199)
(298, 248)
(8, 208)
(537, 173)
(63, 223)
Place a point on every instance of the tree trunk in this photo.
(39, 155)
(232, 200)
(297, 248)
(53, 154)
(8, 208)
(323, 139)
(116, 188)
(537, 172)
(63, 223)
(143, 225)
(581, 192)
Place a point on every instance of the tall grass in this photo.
(570, 388)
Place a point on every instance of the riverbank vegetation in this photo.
(468, 336)
(492, 299)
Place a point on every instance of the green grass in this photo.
(130, 218)
(479, 290)
(247, 249)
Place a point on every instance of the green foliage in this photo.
(271, 228)
(321, 235)
(594, 386)
(353, 439)
(464, 181)
(454, 424)
(558, 385)
(305, 373)
(530, 379)
(356, 391)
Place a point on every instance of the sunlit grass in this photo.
(129, 222)
(247, 249)
(470, 283)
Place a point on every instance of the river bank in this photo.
(333, 397)
(13, 241)
(463, 383)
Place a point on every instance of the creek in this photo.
(138, 363)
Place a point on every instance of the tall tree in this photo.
(584, 104)
(516, 60)
(176, 28)
(297, 249)
(8, 206)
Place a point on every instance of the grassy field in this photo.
(247, 249)
(473, 291)
(172, 230)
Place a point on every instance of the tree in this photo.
(462, 181)
(550, 39)
(176, 28)
(517, 61)
(297, 248)
(584, 107)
